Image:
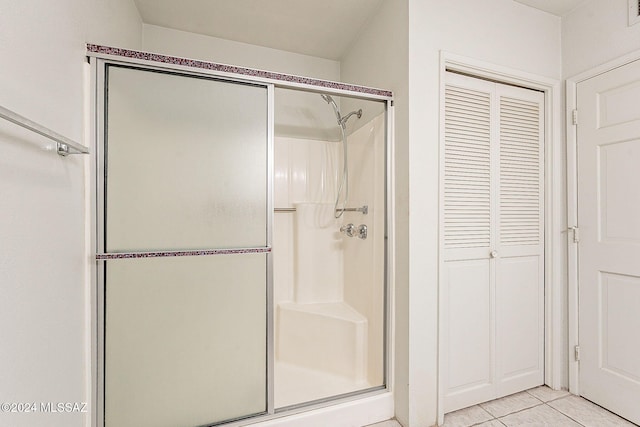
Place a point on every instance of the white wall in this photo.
(42, 230)
(42, 195)
(190, 45)
(596, 32)
(297, 114)
(502, 32)
(379, 58)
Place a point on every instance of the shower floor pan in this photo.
(321, 351)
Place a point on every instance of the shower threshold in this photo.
(295, 384)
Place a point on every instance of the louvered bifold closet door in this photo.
(467, 237)
(492, 240)
(467, 170)
(520, 262)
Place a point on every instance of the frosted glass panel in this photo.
(186, 162)
(185, 340)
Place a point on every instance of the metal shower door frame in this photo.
(99, 126)
(95, 207)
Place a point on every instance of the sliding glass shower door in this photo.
(185, 245)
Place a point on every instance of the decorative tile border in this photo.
(146, 56)
(161, 254)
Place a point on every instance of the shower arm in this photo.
(343, 120)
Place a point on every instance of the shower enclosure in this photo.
(241, 243)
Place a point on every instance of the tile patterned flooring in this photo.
(537, 407)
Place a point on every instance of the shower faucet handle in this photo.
(349, 230)
(362, 231)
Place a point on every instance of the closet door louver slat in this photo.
(519, 172)
(467, 180)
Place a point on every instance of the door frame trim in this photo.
(571, 96)
(554, 246)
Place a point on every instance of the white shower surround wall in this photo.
(364, 266)
(305, 170)
(326, 282)
(318, 261)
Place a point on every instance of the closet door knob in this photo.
(493, 254)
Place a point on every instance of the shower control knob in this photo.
(349, 230)
(362, 231)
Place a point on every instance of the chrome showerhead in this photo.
(333, 104)
(343, 120)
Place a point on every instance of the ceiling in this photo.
(323, 28)
(557, 7)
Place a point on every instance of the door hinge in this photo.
(574, 117)
(576, 353)
(576, 233)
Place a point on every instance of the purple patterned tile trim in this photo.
(160, 254)
(146, 56)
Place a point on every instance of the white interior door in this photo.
(492, 241)
(609, 251)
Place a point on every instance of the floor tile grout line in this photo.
(519, 410)
(550, 400)
(486, 421)
(595, 404)
(605, 409)
(487, 412)
(566, 415)
(559, 398)
(482, 422)
(536, 397)
(567, 395)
